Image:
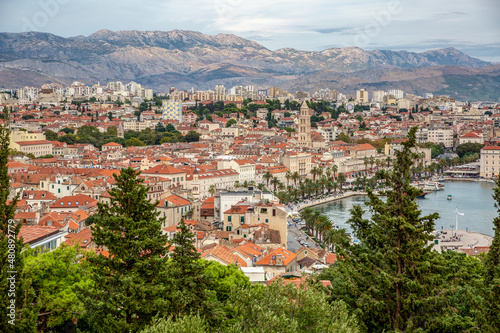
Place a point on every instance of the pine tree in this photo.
(129, 283)
(390, 279)
(16, 289)
(188, 273)
(490, 312)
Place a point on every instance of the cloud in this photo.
(276, 24)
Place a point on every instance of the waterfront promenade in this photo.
(316, 202)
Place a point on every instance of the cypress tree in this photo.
(190, 292)
(129, 288)
(490, 312)
(391, 278)
(19, 311)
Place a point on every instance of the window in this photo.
(58, 190)
(69, 203)
(52, 186)
(228, 228)
(274, 212)
(229, 218)
(67, 187)
(267, 220)
(76, 203)
(242, 219)
(62, 203)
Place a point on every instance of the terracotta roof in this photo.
(73, 201)
(476, 251)
(34, 142)
(174, 199)
(270, 259)
(223, 254)
(330, 258)
(491, 148)
(163, 169)
(31, 234)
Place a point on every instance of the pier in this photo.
(462, 239)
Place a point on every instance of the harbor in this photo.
(473, 199)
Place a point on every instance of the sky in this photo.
(472, 27)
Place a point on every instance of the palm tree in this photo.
(237, 184)
(372, 162)
(314, 221)
(366, 161)
(329, 186)
(261, 187)
(245, 184)
(267, 176)
(306, 214)
(275, 182)
(316, 187)
(295, 177)
(335, 168)
(324, 225)
(341, 180)
(288, 176)
(211, 190)
(388, 161)
(335, 187)
(314, 172)
(357, 182)
(328, 172)
(323, 181)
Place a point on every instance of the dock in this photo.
(460, 240)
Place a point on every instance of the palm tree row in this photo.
(322, 228)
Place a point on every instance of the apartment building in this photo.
(490, 162)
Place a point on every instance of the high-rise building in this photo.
(396, 93)
(172, 109)
(378, 96)
(305, 126)
(362, 96)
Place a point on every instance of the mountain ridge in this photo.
(194, 58)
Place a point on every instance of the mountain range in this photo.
(185, 59)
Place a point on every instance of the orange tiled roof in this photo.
(224, 255)
(31, 234)
(270, 259)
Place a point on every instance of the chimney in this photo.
(279, 260)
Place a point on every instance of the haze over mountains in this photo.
(185, 59)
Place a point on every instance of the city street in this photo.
(293, 234)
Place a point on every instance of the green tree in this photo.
(58, 297)
(468, 148)
(192, 136)
(190, 292)
(283, 308)
(129, 283)
(50, 135)
(343, 137)
(184, 324)
(436, 150)
(490, 318)
(390, 278)
(231, 122)
(134, 142)
(17, 298)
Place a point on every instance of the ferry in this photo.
(449, 197)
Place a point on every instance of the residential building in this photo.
(490, 162)
(172, 109)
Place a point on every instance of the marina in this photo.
(473, 199)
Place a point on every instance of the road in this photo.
(294, 233)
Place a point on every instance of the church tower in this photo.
(305, 126)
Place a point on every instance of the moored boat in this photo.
(449, 197)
